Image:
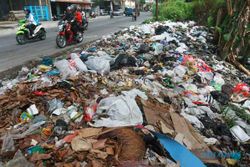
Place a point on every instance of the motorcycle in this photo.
(92, 14)
(134, 16)
(64, 35)
(23, 34)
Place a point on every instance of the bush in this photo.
(202, 11)
(176, 10)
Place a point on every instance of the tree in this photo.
(142, 2)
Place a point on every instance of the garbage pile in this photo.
(148, 95)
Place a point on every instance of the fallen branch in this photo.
(238, 65)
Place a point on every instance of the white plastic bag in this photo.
(135, 92)
(146, 29)
(121, 111)
(65, 69)
(78, 62)
(180, 71)
(193, 120)
(239, 134)
(99, 64)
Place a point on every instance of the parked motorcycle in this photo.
(63, 37)
(23, 34)
(92, 14)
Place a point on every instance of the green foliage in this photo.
(147, 21)
(142, 2)
(176, 10)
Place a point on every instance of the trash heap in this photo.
(149, 95)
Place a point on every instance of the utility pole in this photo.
(156, 10)
(49, 6)
(111, 9)
(10, 4)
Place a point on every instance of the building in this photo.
(58, 7)
(9, 5)
(40, 7)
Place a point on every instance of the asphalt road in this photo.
(12, 54)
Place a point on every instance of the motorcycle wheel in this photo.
(86, 26)
(21, 39)
(61, 41)
(79, 37)
(43, 35)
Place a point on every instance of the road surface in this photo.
(12, 54)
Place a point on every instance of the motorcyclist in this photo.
(84, 19)
(78, 18)
(31, 22)
(69, 16)
(134, 14)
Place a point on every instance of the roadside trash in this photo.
(54, 105)
(78, 62)
(19, 161)
(54, 72)
(35, 149)
(123, 61)
(79, 144)
(210, 141)
(47, 61)
(246, 104)
(8, 144)
(32, 110)
(179, 152)
(239, 134)
(121, 111)
(65, 69)
(98, 64)
(107, 104)
(60, 127)
(90, 112)
(44, 68)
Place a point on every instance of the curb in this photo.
(13, 72)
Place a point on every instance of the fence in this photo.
(40, 12)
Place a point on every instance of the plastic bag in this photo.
(217, 82)
(121, 111)
(182, 48)
(146, 29)
(65, 69)
(55, 104)
(180, 71)
(243, 89)
(158, 47)
(99, 64)
(19, 161)
(8, 143)
(239, 134)
(78, 62)
(135, 92)
(29, 131)
(193, 120)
